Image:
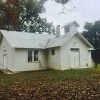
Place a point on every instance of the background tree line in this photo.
(92, 34)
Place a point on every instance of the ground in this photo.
(81, 84)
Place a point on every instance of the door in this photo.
(75, 58)
(5, 60)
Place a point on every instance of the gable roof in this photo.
(26, 40)
(38, 41)
(60, 41)
(85, 41)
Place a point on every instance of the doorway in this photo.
(75, 58)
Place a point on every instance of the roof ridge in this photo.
(34, 33)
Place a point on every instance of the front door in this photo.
(5, 60)
(75, 58)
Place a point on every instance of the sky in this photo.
(76, 10)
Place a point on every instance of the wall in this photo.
(43, 58)
(54, 61)
(17, 58)
(85, 56)
(22, 64)
(90, 63)
(5, 48)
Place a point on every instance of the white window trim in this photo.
(32, 57)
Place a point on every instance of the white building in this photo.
(21, 51)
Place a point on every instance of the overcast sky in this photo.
(78, 10)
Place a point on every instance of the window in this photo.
(29, 55)
(35, 55)
(53, 52)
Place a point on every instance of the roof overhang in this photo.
(81, 36)
(91, 49)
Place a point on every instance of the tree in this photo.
(62, 1)
(57, 1)
(24, 15)
(92, 34)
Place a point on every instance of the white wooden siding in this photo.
(85, 56)
(17, 59)
(5, 48)
(22, 64)
(54, 61)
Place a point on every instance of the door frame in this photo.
(71, 55)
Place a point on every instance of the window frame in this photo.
(53, 52)
(30, 57)
(36, 56)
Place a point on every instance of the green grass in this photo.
(98, 65)
(82, 84)
(47, 76)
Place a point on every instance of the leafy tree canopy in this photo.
(23, 15)
(62, 1)
(92, 34)
(57, 1)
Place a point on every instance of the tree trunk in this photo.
(96, 65)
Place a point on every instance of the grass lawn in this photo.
(81, 84)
